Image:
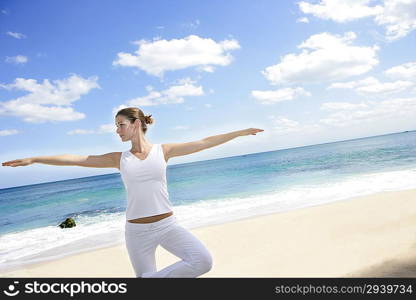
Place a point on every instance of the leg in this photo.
(141, 250)
(196, 259)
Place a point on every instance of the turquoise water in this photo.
(204, 192)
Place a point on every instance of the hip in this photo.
(151, 219)
(139, 228)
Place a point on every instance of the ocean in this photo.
(202, 193)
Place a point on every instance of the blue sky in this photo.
(306, 72)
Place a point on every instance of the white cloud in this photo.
(373, 86)
(181, 127)
(397, 16)
(172, 95)
(342, 106)
(149, 100)
(192, 25)
(324, 57)
(283, 125)
(178, 91)
(208, 69)
(80, 131)
(157, 57)
(16, 35)
(105, 128)
(116, 109)
(405, 71)
(19, 59)
(47, 101)
(285, 94)
(370, 113)
(340, 10)
(186, 80)
(149, 88)
(302, 20)
(6, 132)
(35, 113)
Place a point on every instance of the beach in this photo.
(367, 236)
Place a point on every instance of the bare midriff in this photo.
(151, 219)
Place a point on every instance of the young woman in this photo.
(149, 217)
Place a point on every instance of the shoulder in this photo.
(165, 149)
(112, 155)
(180, 149)
(116, 156)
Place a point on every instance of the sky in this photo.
(306, 72)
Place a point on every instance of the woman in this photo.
(150, 220)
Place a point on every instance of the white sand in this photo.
(371, 236)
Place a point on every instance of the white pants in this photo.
(143, 238)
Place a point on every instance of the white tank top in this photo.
(145, 183)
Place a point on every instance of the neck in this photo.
(142, 145)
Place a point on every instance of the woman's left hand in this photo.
(251, 131)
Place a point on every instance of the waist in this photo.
(151, 219)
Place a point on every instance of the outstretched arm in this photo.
(178, 149)
(108, 160)
(216, 140)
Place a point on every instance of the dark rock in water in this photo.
(68, 223)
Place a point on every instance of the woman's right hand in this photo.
(18, 162)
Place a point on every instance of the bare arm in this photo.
(178, 149)
(219, 139)
(108, 160)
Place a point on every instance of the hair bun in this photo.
(148, 119)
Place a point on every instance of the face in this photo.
(124, 128)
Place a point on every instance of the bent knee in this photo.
(204, 263)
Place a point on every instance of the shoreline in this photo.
(366, 236)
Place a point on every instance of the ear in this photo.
(137, 123)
